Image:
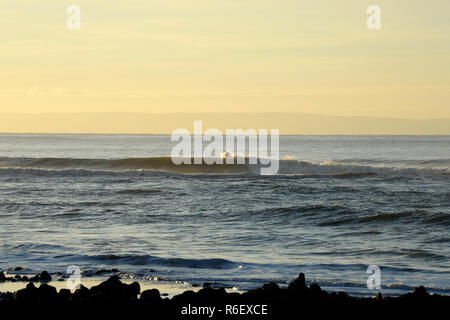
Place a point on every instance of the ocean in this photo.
(337, 205)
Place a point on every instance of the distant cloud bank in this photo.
(288, 123)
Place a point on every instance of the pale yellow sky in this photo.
(313, 56)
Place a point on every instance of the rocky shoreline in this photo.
(268, 302)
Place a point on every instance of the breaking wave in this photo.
(339, 169)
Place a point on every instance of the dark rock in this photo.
(186, 296)
(81, 294)
(134, 288)
(18, 269)
(210, 293)
(271, 288)
(379, 296)
(298, 285)
(188, 293)
(316, 292)
(103, 271)
(6, 297)
(30, 286)
(420, 291)
(2, 277)
(47, 293)
(98, 272)
(342, 295)
(112, 295)
(64, 294)
(114, 289)
(44, 276)
(27, 295)
(267, 290)
(34, 278)
(110, 286)
(152, 295)
(315, 288)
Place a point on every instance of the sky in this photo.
(206, 56)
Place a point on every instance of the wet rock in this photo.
(103, 271)
(18, 269)
(2, 277)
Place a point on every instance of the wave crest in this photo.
(165, 164)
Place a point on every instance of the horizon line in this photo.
(219, 113)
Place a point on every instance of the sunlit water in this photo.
(339, 204)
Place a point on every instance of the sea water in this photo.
(338, 205)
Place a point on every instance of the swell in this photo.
(144, 260)
(128, 164)
(165, 164)
(413, 216)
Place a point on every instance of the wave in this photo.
(117, 165)
(139, 260)
(338, 169)
(420, 216)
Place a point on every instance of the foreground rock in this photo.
(278, 303)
